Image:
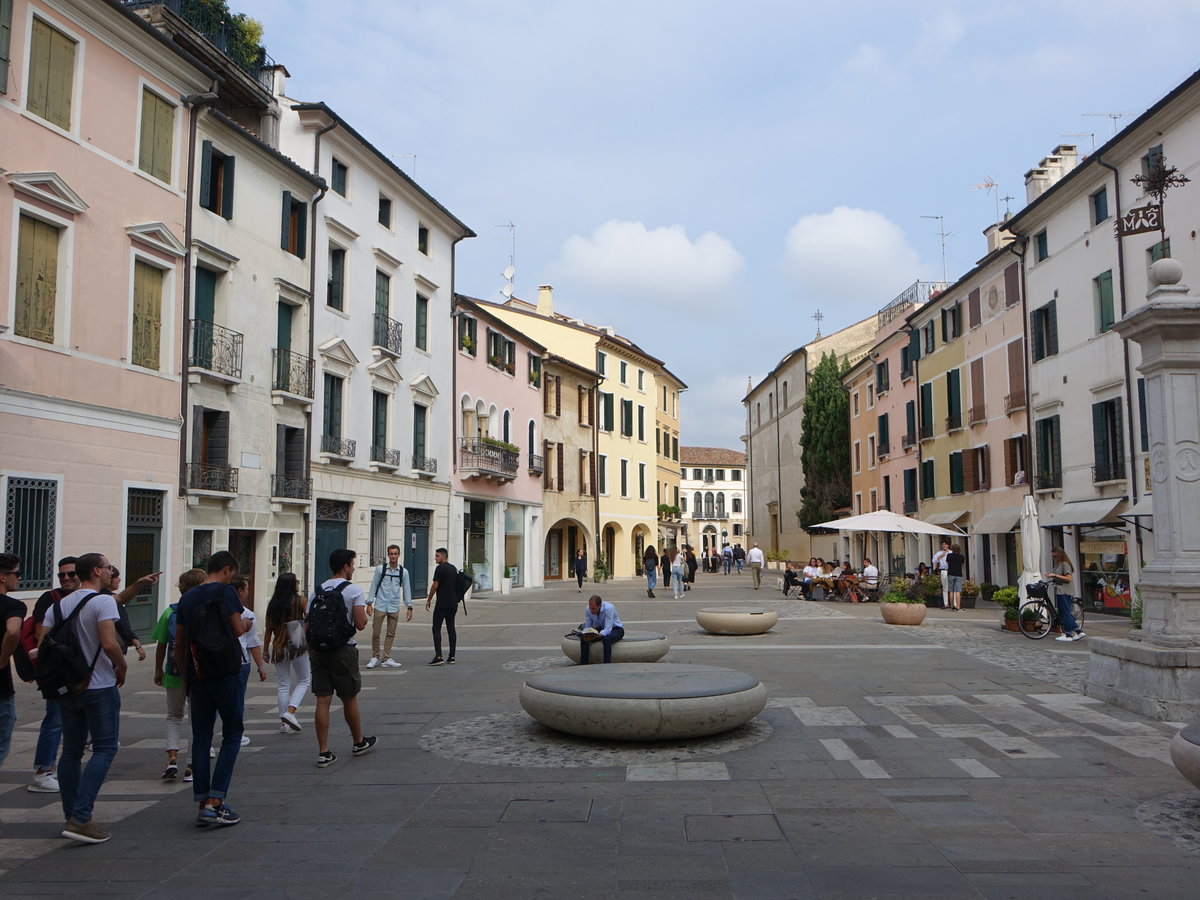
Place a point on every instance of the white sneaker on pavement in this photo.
(1079, 635)
(289, 720)
(373, 663)
(43, 783)
(1064, 637)
(391, 664)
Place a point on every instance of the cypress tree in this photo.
(825, 443)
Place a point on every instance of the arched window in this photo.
(698, 504)
(506, 438)
(708, 505)
(720, 504)
(532, 435)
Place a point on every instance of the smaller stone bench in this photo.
(635, 647)
(1185, 753)
(737, 619)
(643, 701)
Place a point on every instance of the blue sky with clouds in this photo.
(705, 175)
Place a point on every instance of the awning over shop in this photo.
(1081, 512)
(1144, 507)
(998, 521)
(946, 518)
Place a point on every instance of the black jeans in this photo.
(439, 616)
(585, 647)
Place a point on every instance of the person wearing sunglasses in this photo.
(45, 755)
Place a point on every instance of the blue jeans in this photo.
(8, 719)
(1069, 625)
(740, 563)
(226, 698)
(652, 578)
(97, 713)
(585, 647)
(728, 564)
(677, 582)
(45, 755)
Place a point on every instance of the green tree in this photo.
(235, 34)
(825, 443)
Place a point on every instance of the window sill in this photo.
(278, 398)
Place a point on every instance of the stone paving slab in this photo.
(947, 760)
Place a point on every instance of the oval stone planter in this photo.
(903, 613)
(1185, 753)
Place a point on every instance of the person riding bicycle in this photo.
(1063, 574)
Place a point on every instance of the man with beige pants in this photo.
(755, 560)
(389, 586)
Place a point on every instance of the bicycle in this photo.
(1038, 616)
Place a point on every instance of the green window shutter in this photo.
(883, 432)
(927, 479)
(910, 485)
(37, 279)
(1052, 328)
(956, 473)
(422, 322)
(285, 225)
(206, 151)
(227, 187)
(419, 414)
(283, 326)
(927, 407)
(51, 74)
(953, 393)
(379, 419)
(1143, 421)
(910, 417)
(301, 228)
(383, 292)
(156, 136)
(914, 345)
(1104, 299)
(1038, 334)
(1100, 446)
(5, 37)
(147, 315)
(608, 412)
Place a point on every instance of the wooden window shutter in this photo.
(974, 312)
(1010, 460)
(218, 439)
(37, 279)
(206, 152)
(281, 466)
(1016, 366)
(155, 138)
(5, 37)
(985, 473)
(1051, 328)
(582, 471)
(977, 395)
(558, 395)
(547, 403)
(147, 315)
(582, 391)
(285, 226)
(970, 477)
(301, 228)
(546, 472)
(197, 434)
(1012, 287)
(593, 484)
(227, 187)
(559, 464)
(51, 74)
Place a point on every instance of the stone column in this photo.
(1156, 671)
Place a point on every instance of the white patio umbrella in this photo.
(1031, 543)
(885, 520)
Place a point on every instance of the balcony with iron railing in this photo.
(387, 334)
(338, 448)
(910, 507)
(385, 457)
(976, 415)
(925, 431)
(1109, 470)
(1014, 402)
(1050, 480)
(216, 479)
(480, 458)
(907, 440)
(292, 374)
(954, 421)
(216, 349)
(424, 465)
(537, 465)
(291, 487)
(883, 449)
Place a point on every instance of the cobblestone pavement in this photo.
(949, 760)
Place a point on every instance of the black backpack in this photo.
(62, 669)
(328, 627)
(214, 649)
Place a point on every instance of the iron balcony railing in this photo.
(385, 456)
(233, 42)
(910, 507)
(387, 334)
(216, 348)
(907, 440)
(424, 464)
(1109, 470)
(485, 457)
(293, 373)
(975, 415)
(338, 446)
(537, 465)
(883, 448)
(294, 487)
(1014, 401)
(223, 479)
(1049, 480)
(925, 431)
(954, 422)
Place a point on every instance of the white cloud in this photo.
(659, 265)
(855, 260)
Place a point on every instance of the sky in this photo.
(705, 176)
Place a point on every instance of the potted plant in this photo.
(903, 603)
(929, 590)
(675, 513)
(494, 361)
(986, 589)
(600, 570)
(506, 581)
(1008, 599)
(466, 343)
(535, 379)
(664, 510)
(510, 368)
(970, 591)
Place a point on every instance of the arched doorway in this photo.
(563, 538)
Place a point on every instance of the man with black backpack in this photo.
(336, 613)
(208, 623)
(83, 629)
(449, 587)
(389, 586)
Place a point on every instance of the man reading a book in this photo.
(602, 624)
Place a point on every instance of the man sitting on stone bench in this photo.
(601, 624)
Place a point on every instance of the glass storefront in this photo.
(514, 542)
(478, 541)
(1104, 579)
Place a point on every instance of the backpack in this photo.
(172, 621)
(214, 649)
(62, 669)
(463, 584)
(25, 655)
(328, 627)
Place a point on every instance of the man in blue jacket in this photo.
(602, 617)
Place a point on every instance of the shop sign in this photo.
(1139, 220)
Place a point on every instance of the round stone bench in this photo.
(1185, 753)
(635, 647)
(643, 701)
(737, 619)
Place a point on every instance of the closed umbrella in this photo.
(1031, 543)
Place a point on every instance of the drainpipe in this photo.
(454, 410)
(916, 363)
(1132, 475)
(779, 478)
(307, 515)
(193, 102)
(1017, 249)
(596, 459)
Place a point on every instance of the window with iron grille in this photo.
(378, 536)
(30, 527)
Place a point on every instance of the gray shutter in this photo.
(227, 189)
(302, 231)
(1051, 327)
(197, 433)
(218, 450)
(206, 174)
(1037, 334)
(285, 230)
(281, 434)
(296, 448)
(558, 464)
(914, 345)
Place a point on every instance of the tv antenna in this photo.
(943, 234)
(1115, 117)
(411, 156)
(510, 270)
(1086, 134)
(989, 184)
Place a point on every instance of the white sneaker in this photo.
(391, 664)
(289, 720)
(283, 729)
(43, 783)
(245, 740)
(1079, 635)
(1064, 637)
(373, 663)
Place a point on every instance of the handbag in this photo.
(297, 643)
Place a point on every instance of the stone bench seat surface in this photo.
(736, 610)
(1191, 734)
(631, 637)
(644, 681)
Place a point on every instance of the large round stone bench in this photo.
(737, 619)
(643, 701)
(1185, 753)
(635, 647)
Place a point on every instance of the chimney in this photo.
(997, 238)
(1050, 171)
(545, 304)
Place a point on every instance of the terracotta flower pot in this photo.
(1011, 625)
(903, 613)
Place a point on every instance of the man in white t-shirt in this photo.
(336, 671)
(870, 578)
(755, 560)
(942, 568)
(97, 710)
